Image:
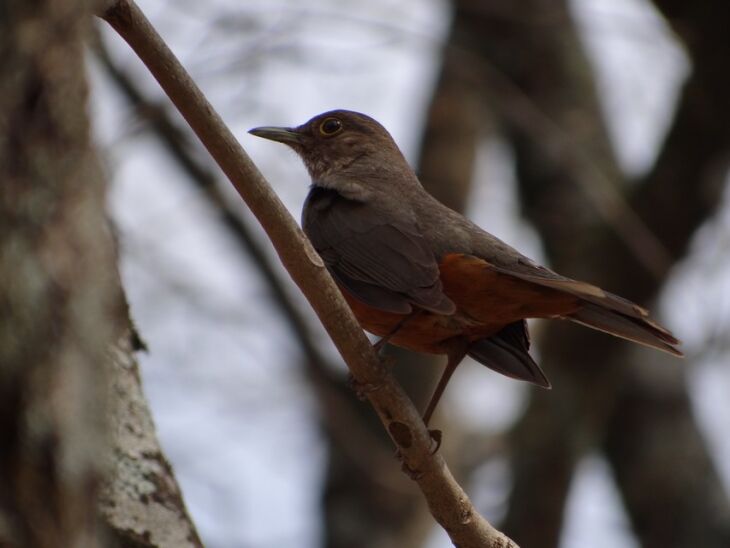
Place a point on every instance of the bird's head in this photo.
(340, 145)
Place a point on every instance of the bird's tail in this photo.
(607, 312)
(634, 327)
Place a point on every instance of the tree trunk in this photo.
(66, 359)
(60, 309)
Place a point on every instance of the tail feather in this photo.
(635, 328)
(507, 353)
(583, 290)
(605, 311)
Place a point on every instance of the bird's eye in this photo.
(330, 126)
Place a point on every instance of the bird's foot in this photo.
(378, 346)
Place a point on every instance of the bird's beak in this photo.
(281, 134)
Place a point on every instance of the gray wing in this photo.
(379, 257)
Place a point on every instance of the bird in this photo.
(424, 277)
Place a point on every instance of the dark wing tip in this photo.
(543, 382)
(671, 349)
(507, 353)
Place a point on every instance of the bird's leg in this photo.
(455, 355)
(362, 389)
(378, 346)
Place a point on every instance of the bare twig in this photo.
(446, 499)
(176, 143)
(337, 411)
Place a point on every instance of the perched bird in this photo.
(424, 277)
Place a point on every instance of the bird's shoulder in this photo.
(450, 232)
(361, 213)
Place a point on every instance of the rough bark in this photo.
(59, 307)
(140, 501)
(63, 317)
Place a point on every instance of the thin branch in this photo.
(338, 412)
(447, 501)
(175, 141)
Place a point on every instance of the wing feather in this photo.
(379, 257)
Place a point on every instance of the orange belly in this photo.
(486, 301)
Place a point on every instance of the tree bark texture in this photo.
(140, 501)
(66, 368)
(59, 304)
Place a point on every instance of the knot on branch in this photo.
(401, 434)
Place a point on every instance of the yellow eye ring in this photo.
(330, 126)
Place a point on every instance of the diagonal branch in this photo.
(447, 500)
(339, 413)
(175, 142)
